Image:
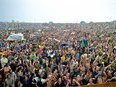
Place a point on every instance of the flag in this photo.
(83, 44)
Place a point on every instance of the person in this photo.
(50, 64)
(25, 81)
(13, 76)
(9, 81)
(90, 81)
(7, 69)
(34, 80)
(4, 61)
(1, 81)
(72, 82)
(59, 82)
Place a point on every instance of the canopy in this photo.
(15, 37)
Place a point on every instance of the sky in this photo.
(58, 11)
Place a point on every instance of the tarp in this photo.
(15, 37)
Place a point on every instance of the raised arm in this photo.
(109, 65)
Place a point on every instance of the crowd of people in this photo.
(59, 58)
(23, 25)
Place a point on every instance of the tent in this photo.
(15, 37)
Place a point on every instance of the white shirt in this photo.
(4, 61)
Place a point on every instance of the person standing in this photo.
(4, 61)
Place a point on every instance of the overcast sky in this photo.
(69, 11)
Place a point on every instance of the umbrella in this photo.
(64, 45)
(114, 32)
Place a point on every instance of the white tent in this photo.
(15, 37)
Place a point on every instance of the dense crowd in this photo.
(59, 58)
(83, 25)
